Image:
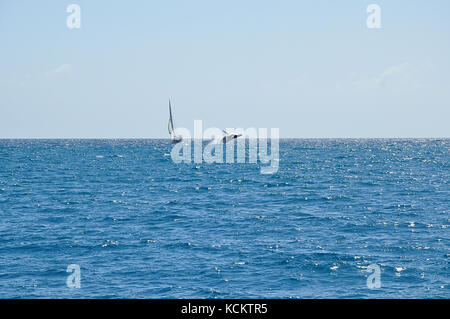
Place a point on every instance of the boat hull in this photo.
(176, 139)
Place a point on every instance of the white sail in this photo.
(171, 128)
(170, 124)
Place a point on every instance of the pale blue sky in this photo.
(310, 68)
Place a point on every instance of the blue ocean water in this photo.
(141, 226)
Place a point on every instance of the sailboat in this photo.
(173, 137)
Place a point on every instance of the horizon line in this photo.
(167, 138)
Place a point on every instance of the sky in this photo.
(310, 68)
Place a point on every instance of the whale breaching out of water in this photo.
(173, 137)
(229, 137)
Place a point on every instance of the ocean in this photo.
(139, 225)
